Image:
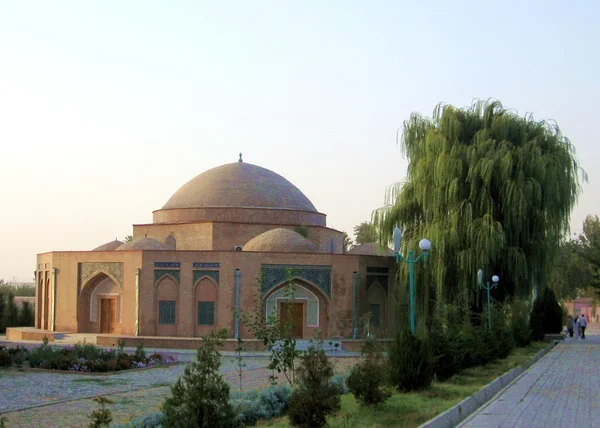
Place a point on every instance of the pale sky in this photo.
(108, 107)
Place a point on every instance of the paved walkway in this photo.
(27, 398)
(561, 390)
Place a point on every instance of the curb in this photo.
(455, 415)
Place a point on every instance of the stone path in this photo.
(561, 390)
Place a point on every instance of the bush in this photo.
(26, 316)
(315, 397)
(519, 323)
(200, 396)
(5, 358)
(412, 363)
(253, 406)
(153, 420)
(546, 316)
(367, 378)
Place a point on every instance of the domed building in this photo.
(233, 233)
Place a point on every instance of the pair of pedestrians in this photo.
(578, 325)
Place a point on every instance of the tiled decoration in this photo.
(274, 275)
(158, 274)
(214, 274)
(300, 293)
(88, 270)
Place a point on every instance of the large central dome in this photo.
(240, 185)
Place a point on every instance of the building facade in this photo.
(230, 237)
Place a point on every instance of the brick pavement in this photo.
(561, 390)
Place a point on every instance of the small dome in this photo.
(371, 249)
(109, 246)
(280, 240)
(144, 244)
(239, 185)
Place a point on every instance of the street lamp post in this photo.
(488, 287)
(425, 246)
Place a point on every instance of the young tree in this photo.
(491, 190)
(200, 398)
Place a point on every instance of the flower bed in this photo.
(82, 357)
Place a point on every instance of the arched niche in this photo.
(166, 306)
(100, 305)
(204, 305)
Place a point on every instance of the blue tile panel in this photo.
(274, 275)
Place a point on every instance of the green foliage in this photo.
(26, 316)
(368, 377)
(488, 188)
(315, 397)
(200, 396)
(21, 290)
(546, 316)
(128, 238)
(3, 420)
(253, 406)
(101, 417)
(365, 233)
(338, 381)
(5, 358)
(412, 363)
(276, 335)
(239, 362)
(10, 315)
(153, 420)
(519, 322)
(347, 242)
(140, 352)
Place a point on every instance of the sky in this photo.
(108, 107)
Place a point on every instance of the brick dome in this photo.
(280, 240)
(144, 244)
(240, 192)
(240, 185)
(109, 246)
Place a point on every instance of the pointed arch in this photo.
(98, 286)
(204, 305)
(166, 298)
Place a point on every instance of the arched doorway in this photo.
(99, 308)
(301, 306)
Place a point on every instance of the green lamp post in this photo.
(487, 286)
(425, 246)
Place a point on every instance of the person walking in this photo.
(582, 325)
(570, 325)
(576, 326)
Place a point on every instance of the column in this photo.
(354, 303)
(236, 322)
(137, 301)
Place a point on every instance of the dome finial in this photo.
(240, 159)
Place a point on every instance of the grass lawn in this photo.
(413, 409)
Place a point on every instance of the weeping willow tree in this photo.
(491, 190)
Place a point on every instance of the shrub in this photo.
(546, 316)
(367, 378)
(200, 397)
(153, 420)
(155, 359)
(5, 358)
(125, 362)
(26, 316)
(315, 397)
(140, 352)
(519, 322)
(338, 381)
(412, 363)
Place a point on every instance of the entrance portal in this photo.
(108, 315)
(292, 314)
